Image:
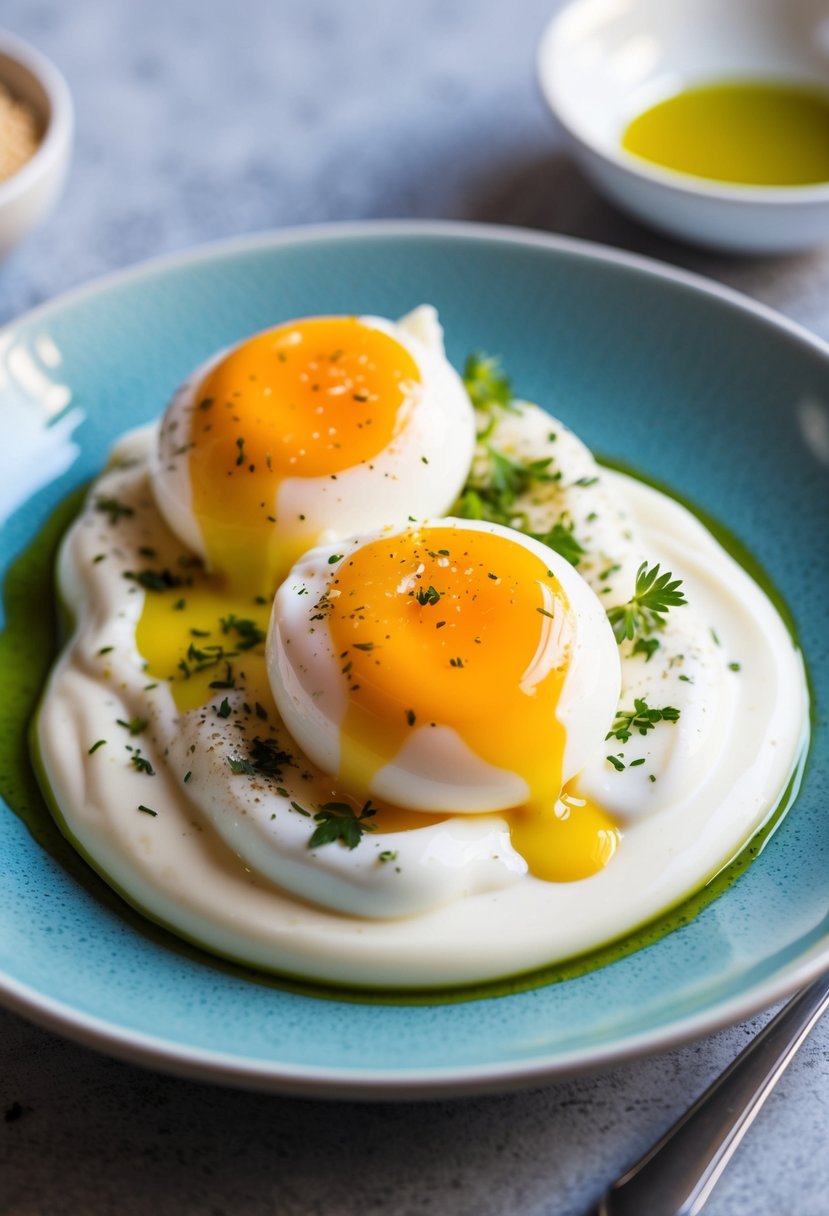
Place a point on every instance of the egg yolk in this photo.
(307, 399)
(467, 630)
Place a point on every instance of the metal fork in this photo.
(676, 1177)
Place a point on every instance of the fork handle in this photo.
(678, 1174)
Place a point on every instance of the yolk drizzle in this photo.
(307, 399)
(200, 636)
(469, 630)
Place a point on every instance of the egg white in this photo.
(419, 472)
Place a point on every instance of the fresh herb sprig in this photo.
(493, 493)
(653, 595)
(486, 383)
(641, 718)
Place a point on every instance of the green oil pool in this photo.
(760, 133)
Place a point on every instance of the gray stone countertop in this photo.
(199, 119)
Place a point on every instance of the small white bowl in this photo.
(29, 194)
(602, 62)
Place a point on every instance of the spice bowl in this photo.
(602, 63)
(32, 83)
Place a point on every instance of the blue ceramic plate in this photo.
(685, 381)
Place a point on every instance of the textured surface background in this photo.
(199, 119)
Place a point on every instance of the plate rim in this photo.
(360, 1083)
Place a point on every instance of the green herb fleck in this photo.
(141, 764)
(136, 726)
(646, 646)
(641, 718)
(432, 596)
(114, 509)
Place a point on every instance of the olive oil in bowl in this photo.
(749, 132)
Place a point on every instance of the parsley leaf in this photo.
(653, 595)
(113, 508)
(560, 538)
(641, 718)
(485, 382)
(339, 821)
(646, 646)
(492, 492)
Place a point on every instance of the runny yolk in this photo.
(467, 630)
(307, 399)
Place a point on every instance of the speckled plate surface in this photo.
(682, 379)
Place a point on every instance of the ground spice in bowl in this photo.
(19, 134)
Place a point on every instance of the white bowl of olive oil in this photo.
(708, 119)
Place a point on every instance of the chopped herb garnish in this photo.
(424, 597)
(641, 718)
(339, 821)
(135, 726)
(410, 717)
(240, 765)
(228, 682)
(486, 383)
(98, 743)
(224, 709)
(142, 764)
(388, 855)
(247, 631)
(646, 646)
(114, 509)
(653, 595)
(147, 810)
(155, 580)
(560, 538)
(335, 557)
(735, 666)
(187, 776)
(616, 762)
(268, 758)
(493, 490)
